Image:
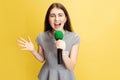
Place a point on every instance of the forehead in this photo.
(56, 10)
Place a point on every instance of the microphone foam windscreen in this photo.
(58, 34)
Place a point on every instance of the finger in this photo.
(24, 49)
(20, 41)
(21, 45)
(23, 39)
(29, 39)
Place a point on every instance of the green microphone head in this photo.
(58, 34)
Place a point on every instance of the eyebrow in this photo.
(54, 13)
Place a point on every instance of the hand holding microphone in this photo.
(60, 44)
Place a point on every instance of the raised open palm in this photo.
(26, 44)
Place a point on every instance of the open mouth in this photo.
(57, 25)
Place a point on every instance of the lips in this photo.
(57, 25)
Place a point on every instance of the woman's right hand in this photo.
(26, 45)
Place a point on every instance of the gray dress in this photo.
(51, 70)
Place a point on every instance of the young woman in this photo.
(57, 18)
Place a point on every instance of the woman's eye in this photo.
(60, 15)
(52, 15)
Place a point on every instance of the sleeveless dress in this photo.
(51, 70)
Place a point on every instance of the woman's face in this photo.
(57, 19)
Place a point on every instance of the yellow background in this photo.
(96, 21)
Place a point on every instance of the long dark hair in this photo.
(67, 25)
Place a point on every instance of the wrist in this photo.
(32, 50)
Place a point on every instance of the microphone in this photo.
(59, 36)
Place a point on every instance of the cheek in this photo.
(64, 20)
(50, 21)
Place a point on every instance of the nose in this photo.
(56, 18)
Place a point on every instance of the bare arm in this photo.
(40, 52)
(28, 45)
(71, 61)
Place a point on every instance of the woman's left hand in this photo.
(60, 44)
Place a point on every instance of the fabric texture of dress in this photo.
(51, 70)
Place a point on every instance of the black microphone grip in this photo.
(59, 55)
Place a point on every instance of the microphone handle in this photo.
(59, 56)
